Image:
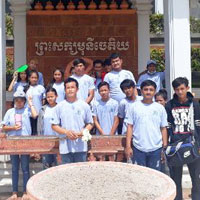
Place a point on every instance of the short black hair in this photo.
(127, 83)
(79, 61)
(148, 83)
(115, 55)
(107, 61)
(69, 80)
(103, 83)
(162, 93)
(179, 81)
(98, 62)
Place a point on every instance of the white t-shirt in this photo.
(86, 83)
(147, 119)
(72, 116)
(158, 78)
(60, 89)
(114, 79)
(9, 120)
(49, 112)
(123, 108)
(37, 92)
(105, 113)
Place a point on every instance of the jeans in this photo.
(49, 160)
(176, 175)
(74, 157)
(15, 160)
(33, 125)
(147, 159)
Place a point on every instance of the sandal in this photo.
(13, 197)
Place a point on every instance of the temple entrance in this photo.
(56, 37)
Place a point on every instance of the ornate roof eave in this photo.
(47, 5)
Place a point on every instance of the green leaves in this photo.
(194, 25)
(9, 26)
(157, 24)
(9, 66)
(195, 59)
(159, 56)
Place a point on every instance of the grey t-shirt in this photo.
(72, 116)
(147, 119)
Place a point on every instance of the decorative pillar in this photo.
(143, 11)
(177, 41)
(19, 8)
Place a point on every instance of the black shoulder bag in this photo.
(186, 150)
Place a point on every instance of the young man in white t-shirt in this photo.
(116, 76)
(86, 83)
(105, 112)
(71, 117)
(128, 87)
(147, 122)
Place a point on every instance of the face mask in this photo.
(151, 73)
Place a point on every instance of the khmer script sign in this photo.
(75, 48)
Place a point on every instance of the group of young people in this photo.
(107, 102)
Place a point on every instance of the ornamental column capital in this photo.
(19, 7)
(144, 7)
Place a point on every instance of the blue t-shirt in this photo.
(105, 113)
(9, 120)
(114, 79)
(72, 116)
(40, 79)
(123, 108)
(60, 89)
(147, 119)
(158, 78)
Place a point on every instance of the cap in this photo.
(151, 62)
(19, 93)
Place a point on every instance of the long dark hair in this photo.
(27, 76)
(62, 73)
(50, 89)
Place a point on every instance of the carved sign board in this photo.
(81, 48)
(56, 39)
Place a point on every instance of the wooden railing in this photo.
(81, 4)
(100, 148)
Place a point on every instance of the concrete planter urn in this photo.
(100, 181)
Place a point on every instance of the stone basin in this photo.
(100, 181)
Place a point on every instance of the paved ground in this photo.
(4, 196)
